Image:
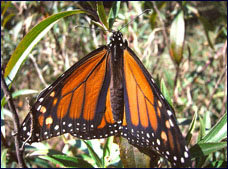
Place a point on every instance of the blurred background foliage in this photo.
(192, 62)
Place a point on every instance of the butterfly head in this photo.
(116, 41)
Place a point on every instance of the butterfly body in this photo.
(116, 47)
(108, 92)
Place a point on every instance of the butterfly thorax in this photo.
(116, 48)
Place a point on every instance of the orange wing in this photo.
(78, 102)
(150, 120)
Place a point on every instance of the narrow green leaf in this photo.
(219, 164)
(41, 163)
(93, 154)
(66, 161)
(192, 125)
(6, 6)
(7, 18)
(107, 149)
(177, 32)
(207, 120)
(153, 16)
(207, 27)
(100, 25)
(218, 132)
(29, 41)
(165, 92)
(101, 13)
(3, 157)
(19, 93)
(92, 4)
(113, 13)
(202, 129)
(23, 92)
(203, 149)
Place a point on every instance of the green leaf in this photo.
(107, 149)
(177, 32)
(219, 164)
(93, 154)
(101, 13)
(207, 120)
(18, 93)
(192, 125)
(207, 27)
(92, 4)
(3, 157)
(202, 129)
(203, 149)
(6, 6)
(165, 92)
(153, 16)
(7, 18)
(42, 163)
(29, 41)
(218, 132)
(23, 92)
(99, 25)
(66, 161)
(113, 13)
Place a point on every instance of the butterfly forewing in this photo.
(72, 104)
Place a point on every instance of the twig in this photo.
(224, 53)
(167, 44)
(5, 144)
(163, 31)
(163, 25)
(3, 141)
(216, 86)
(58, 46)
(38, 70)
(199, 72)
(15, 122)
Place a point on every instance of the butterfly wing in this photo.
(78, 102)
(149, 119)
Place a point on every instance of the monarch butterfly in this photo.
(108, 92)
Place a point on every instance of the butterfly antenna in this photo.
(135, 18)
(80, 26)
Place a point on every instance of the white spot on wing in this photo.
(41, 99)
(171, 123)
(152, 80)
(148, 135)
(56, 127)
(182, 160)
(162, 96)
(185, 154)
(169, 112)
(38, 108)
(186, 148)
